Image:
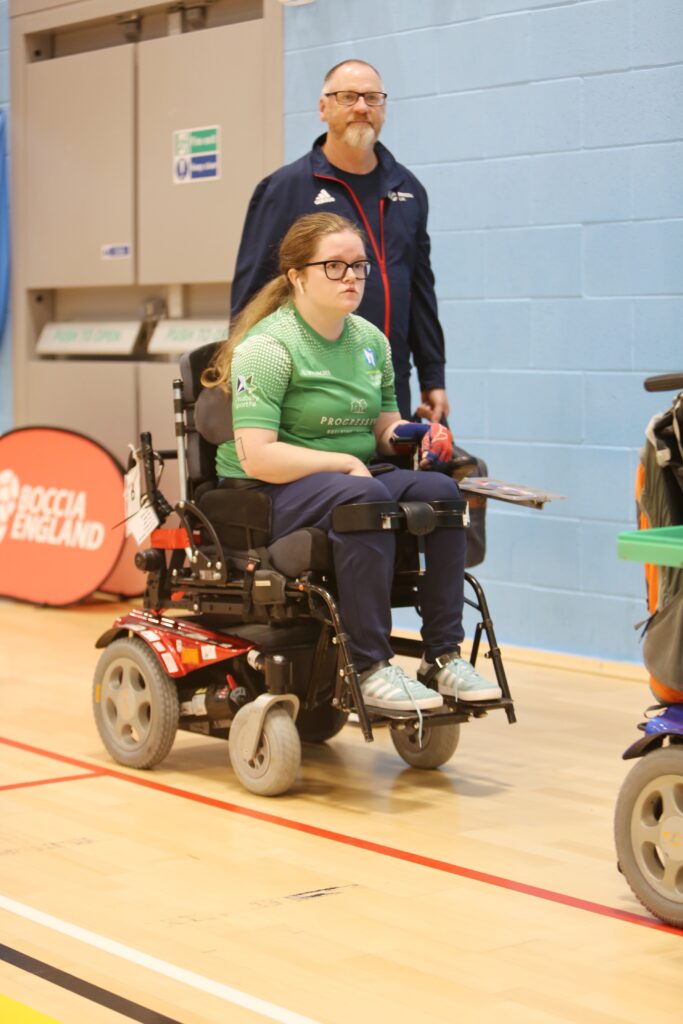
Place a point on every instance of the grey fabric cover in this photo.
(476, 535)
(663, 644)
(660, 500)
(301, 551)
(213, 415)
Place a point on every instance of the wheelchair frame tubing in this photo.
(347, 668)
(486, 625)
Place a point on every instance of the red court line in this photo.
(46, 782)
(364, 844)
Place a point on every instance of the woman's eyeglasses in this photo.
(335, 270)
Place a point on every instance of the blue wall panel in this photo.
(533, 262)
(541, 117)
(657, 180)
(580, 187)
(657, 334)
(488, 333)
(638, 258)
(549, 134)
(657, 31)
(581, 334)
(452, 126)
(633, 107)
(458, 259)
(579, 39)
(483, 53)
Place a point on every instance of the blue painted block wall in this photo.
(549, 134)
(5, 338)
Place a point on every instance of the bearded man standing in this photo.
(350, 173)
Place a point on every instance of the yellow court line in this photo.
(12, 1012)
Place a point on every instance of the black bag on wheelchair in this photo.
(476, 534)
(660, 504)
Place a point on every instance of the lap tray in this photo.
(660, 546)
(500, 490)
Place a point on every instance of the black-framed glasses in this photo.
(348, 98)
(335, 270)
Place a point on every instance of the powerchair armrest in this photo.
(368, 515)
(416, 517)
(451, 512)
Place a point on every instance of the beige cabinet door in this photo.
(201, 95)
(79, 194)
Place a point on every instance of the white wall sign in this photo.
(196, 155)
(178, 336)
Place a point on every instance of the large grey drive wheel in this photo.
(273, 768)
(438, 744)
(135, 704)
(648, 832)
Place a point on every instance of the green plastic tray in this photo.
(662, 546)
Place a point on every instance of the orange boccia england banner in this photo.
(61, 509)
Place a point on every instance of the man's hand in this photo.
(434, 405)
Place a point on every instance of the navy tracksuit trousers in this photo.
(364, 561)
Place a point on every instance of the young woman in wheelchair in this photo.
(313, 401)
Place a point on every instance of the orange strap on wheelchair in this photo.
(663, 693)
(651, 571)
(170, 539)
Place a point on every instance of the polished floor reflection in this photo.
(484, 891)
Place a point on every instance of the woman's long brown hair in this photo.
(297, 248)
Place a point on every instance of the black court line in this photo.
(83, 988)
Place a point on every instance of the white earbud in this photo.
(300, 286)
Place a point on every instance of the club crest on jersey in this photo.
(245, 385)
(369, 357)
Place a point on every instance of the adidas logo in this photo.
(323, 196)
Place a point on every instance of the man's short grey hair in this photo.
(350, 60)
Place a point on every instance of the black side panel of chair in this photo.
(241, 516)
(192, 366)
(201, 455)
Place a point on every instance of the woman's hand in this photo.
(357, 468)
(436, 446)
(263, 457)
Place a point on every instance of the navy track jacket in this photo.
(399, 294)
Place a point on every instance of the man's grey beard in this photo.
(360, 135)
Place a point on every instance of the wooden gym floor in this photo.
(485, 891)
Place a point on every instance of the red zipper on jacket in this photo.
(379, 252)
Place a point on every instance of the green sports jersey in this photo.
(315, 393)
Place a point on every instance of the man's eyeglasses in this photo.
(347, 98)
(335, 270)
